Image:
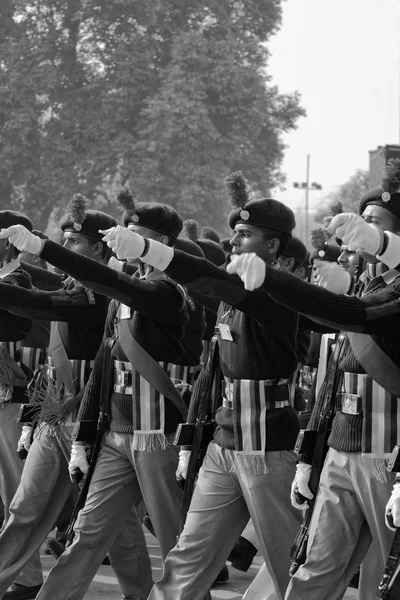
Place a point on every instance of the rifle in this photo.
(102, 426)
(389, 587)
(328, 392)
(201, 432)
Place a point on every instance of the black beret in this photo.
(189, 247)
(155, 216)
(387, 195)
(295, 249)
(265, 213)
(12, 217)
(212, 251)
(89, 224)
(379, 197)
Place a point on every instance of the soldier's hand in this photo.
(117, 265)
(22, 239)
(392, 510)
(124, 242)
(300, 486)
(356, 233)
(25, 439)
(250, 268)
(78, 462)
(183, 464)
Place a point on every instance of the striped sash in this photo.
(381, 421)
(148, 409)
(33, 358)
(250, 401)
(148, 403)
(12, 348)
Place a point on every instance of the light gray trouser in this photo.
(223, 500)
(11, 468)
(122, 475)
(44, 488)
(348, 515)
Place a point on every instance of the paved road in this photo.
(105, 585)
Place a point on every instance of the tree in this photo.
(167, 97)
(349, 194)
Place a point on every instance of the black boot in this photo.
(55, 548)
(242, 555)
(22, 592)
(222, 577)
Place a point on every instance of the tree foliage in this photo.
(164, 95)
(349, 194)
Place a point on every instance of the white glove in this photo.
(183, 464)
(25, 439)
(392, 510)
(78, 460)
(124, 242)
(250, 268)
(330, 276)
(300, 484)
(356, 233)
(117, 265)
(22, 239)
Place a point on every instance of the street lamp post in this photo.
(307, 187)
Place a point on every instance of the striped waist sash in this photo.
(13, 349)
(33, 358)
(250, 400)
(381, 420)
(148, 404)
(126, 378)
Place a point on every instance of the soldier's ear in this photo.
(97, 248)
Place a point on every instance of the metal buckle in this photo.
(122, 378)
(351, 404)
(306, 378)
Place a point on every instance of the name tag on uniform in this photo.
(125, 312)
(225, 332)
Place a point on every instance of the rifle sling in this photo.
(148, 368)
(376, 362)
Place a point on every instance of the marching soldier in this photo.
(355, 485)
(137, 458)
(248, 465)
(77, 320)
(14, 378)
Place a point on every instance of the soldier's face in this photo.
(248, 238)
(382, 219)
(349, 260)
(76, 242)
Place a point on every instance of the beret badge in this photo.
(77, 226)
(386, 196)
(245, 215)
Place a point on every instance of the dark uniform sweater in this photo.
(376, 313)
(263, 346)
(157, 322)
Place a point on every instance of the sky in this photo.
(343, 56)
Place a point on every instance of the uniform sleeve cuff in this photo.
(391, 256)
(158, 255)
